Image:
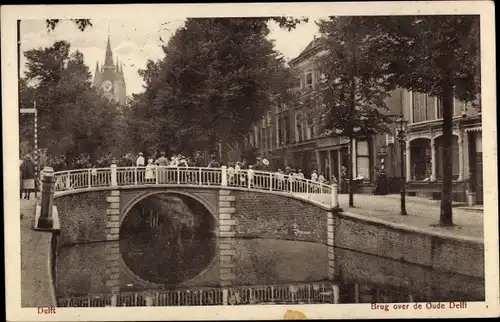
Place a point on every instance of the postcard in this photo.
(250, 161)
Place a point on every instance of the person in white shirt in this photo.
(230, 174)
(314, 176)
(321, 178)
(250, 173)
(140, 162)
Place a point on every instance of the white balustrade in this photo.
(213, 177)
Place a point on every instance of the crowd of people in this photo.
(235, 169)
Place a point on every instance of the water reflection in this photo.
(167, 239)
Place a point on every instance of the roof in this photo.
(313, 46)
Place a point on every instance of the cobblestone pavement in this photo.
(35, 256)
(422, 213)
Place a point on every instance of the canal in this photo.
(168, 253)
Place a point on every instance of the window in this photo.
(309, 80)
(270, 138)
(458, 107)
(256, 136)
(424, 107)
(279, 132)
(439, 108)
(308, 135)
(286, 127)
(363, 159)
(298, 128)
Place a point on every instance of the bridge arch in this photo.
(141, 196)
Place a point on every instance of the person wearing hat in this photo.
(258, 165)
(140, 162)
(28, 176)
(265, 163)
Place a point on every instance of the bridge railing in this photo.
(263, 294)
(223, 177)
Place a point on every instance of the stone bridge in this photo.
(93, 204)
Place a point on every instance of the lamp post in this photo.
(401, 124)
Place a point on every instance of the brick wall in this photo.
(82, 217)
(272, 216)
(418, 280)
(443, 254)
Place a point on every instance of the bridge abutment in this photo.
(330, 226)
(227, 239)
(113, 215)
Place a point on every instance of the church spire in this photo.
(109, 54)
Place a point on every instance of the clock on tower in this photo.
(107, 86)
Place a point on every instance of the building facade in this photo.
(109, 77)
(424, 148)
(289, 137)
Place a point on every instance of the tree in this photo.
(354, 85)
(74, 119)
(217, 78)
(438, 55)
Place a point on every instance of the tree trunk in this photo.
(350, 173)
(446, 216)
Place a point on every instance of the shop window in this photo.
(363, 160)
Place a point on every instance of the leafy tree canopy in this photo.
(218, 76)
(73, 118)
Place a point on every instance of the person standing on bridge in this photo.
(140, 162)
(150, 171)
(28, 176)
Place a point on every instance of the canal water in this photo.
(169, 242)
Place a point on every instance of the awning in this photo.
(474, 129)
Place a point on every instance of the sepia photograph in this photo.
(213, 158)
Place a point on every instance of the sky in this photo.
(134, 42)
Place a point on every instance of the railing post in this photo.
(334, 196)
(114, 299)
(47, 199)
(157, 173)
(114, 178)
(225, 296)
(336, 294)
(223, 181)
(200, 179)
(149, 300)
(271, 181)
(307, 188)
(89, 173)
(135, 176)
(178, 175)
(68, 181)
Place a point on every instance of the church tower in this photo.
(109, 78)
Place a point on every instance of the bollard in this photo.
(223, 176)
(334, 200)
(114, 179)
(45, 221)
